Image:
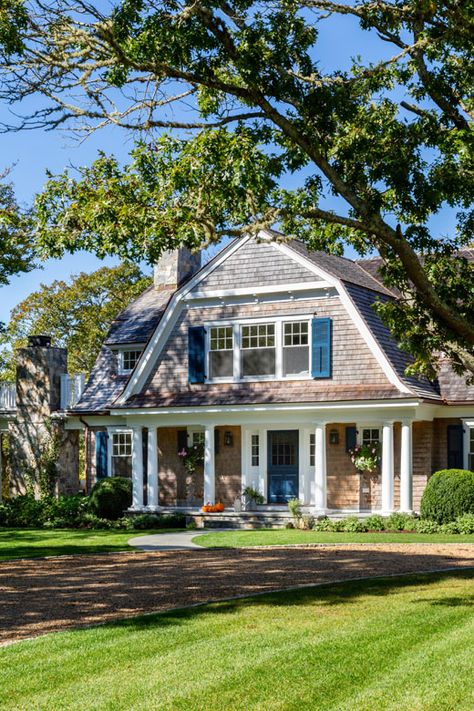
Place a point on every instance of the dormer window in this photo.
(127, 360)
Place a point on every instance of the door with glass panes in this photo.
(282, 466)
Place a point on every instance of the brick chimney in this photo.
(174, 267)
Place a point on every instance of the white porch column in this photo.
(320, 467)
(387, 467)
(152, 460)
(209, 469)
(406, 468)
(137, 468)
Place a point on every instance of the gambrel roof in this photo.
(357, 283)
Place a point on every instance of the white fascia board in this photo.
(368, 405)
(166, 324)
(357, 319)
(256, 290)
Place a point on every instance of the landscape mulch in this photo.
(38, 596)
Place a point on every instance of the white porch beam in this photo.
(209, 465)
(320, 467)
(137, 468)
(387, 468)
(406, 468)
(152, 460)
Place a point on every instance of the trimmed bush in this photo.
(351, 524)
(448, 494)
(375, 522)
(451, 527)
(110, 497)
(465, 524)
(174, 520)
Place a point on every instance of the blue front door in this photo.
(282, 466)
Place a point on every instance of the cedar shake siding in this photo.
(256, 264)
(355, 372)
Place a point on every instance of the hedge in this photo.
(110, 497)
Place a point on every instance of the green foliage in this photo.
(251, 494)
(76, 313)
(424, 525)
(110, 497)
(465, 524)
(449, 493)
(16, 247)
(25, 511)
(398, 521)
(150, 521)
(294, 507)
(375, 522)
(267, 134)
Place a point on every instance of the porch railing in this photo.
(72, 387)
(7, 397)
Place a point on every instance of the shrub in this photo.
(92, 521)
(448, 494)
(375, 522)
(351, 524)
(324, 524)
(25, 511)
(465, 524)
(306, 522)
(398, 521)
(424, 525)
(150, 520)
(451, 527)
(294, 507)
(110, 497)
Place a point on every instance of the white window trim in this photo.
(468, 425)
(368, 426)
(237, 324)
(119, 352)
(110, 432)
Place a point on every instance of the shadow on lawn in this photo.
(46, 595)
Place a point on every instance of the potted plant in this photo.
(251, 497)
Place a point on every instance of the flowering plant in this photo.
(192, 457)
(365, 457)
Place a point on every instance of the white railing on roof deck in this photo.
(72, 387)
(7, 396)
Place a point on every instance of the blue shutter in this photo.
(196, 354)
(101, 439)
(182, 440)
(351, 438)
(321, 348)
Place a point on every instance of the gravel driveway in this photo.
(51, 594)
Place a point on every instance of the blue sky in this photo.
(31, 153)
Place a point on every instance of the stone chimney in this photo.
(174, 267)
(38, 398)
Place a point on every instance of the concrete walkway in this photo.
(179, 541)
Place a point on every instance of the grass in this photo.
(37, 543)
(286, 536)
(370, 645)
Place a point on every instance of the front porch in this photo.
(281, 461)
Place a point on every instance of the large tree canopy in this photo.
(76, 313)
(16, 244)
(255, 131)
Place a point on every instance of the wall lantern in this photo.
(228, 439)
(333, 437)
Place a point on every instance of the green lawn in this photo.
(275, 537)
(37, 543)
(372, 646)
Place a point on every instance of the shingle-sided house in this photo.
(273, 358)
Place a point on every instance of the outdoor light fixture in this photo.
(228, 439)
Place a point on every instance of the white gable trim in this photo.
(357, 319)
(166, 324)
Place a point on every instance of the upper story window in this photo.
(258, 349)
(295, 348)
(127, 360)
(221, 352)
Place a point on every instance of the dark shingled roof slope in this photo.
(453, 387)
(104, 384)
(364, 301)
(137, 322)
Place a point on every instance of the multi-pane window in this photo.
(197, 438)
(295, 348)
(128, 360)
(122, 454)
(283, 452)
(258, 349)
(470, 459)
(370, 436)
(255, 450)
(221, 352)
(312, 449)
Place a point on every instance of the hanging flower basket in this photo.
(365, 457)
